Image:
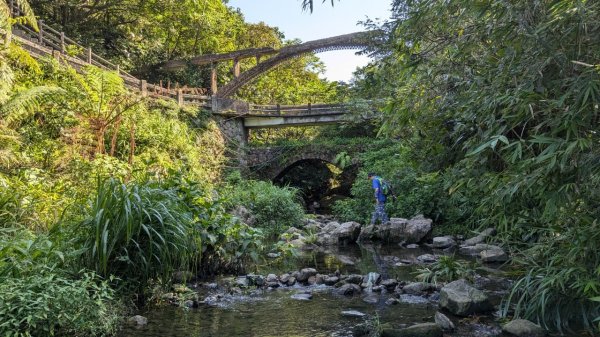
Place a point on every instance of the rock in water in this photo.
(349, 289)
(371, 299)
(417, 330)
(443, 321)
(353, 313)
(480, 238)
(523, 328)
(493, 255)
(138, 320)
(418, 288)
(477, 249)
(427, 258)
(354, 278)
(302, 297)
(335, 233)
(442, 242)
(399, 230)
(305, 274)
(461, 299)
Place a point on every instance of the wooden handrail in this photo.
(37, 43)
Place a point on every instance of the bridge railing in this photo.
(309, 109)
(51, 42)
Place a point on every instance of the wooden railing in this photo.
(310, 109)
(51, 42)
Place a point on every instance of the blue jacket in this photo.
(378, 189)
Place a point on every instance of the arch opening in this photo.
(321, 183)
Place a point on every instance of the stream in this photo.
(273, 312)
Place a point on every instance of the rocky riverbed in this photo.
(350, 280)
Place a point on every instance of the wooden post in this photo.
(213, 80)
(179, 97)
(89, 55)
(309, 107)
(118, 69)
(236, 68)
(41, 31)
(12, 8)
(56, 54)
(62, 42)
(257, 59)
(144, 88)
(278, 109)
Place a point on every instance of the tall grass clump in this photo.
(137, 231)
(147, 230)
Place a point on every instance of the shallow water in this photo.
(274, 313)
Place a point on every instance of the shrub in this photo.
(275, 208)
(418, 191)
(48, 303)
(40, 297)
(560, 285)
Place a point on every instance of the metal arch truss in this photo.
(348, 41)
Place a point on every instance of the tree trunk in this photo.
(131, 143)
(113, 141)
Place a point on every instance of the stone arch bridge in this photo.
(270, 162)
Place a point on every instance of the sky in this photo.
(325, 21)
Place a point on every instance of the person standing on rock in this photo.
(380, 199)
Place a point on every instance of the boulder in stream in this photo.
(335, 233)
(399, 230)
(349, 289)
(462, 299)
(443, 321)
(305, 274)
(523, 328)
(418, 288)
(493, 255)
(441, 242)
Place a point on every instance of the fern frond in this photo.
(9, 145)
(6, 80)
(23, 104)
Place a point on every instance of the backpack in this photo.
(386, 187)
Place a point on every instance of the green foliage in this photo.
(562, 283)
(502, 98)
(446, 269)
(49, 304)
(39, 297)
(143, 231)
(275, 208)
(137, 232)
(342, 160)
(418, 192)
